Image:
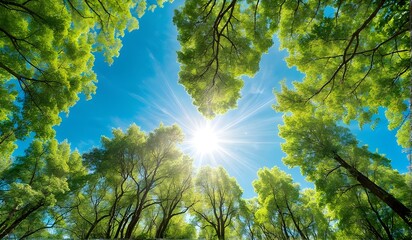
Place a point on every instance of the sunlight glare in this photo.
(205, 140)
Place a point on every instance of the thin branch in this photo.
(22, 7)
(332, 170)
(347, 57)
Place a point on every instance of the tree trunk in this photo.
(16, 222)
(122, 224)
(222, 229)
(383, 224)
(94, 226)
(283, 226)
(133, 222)
(161, 230)
(302, 235)
(398, 207)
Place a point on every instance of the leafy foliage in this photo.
(35, 186)
(356, 59)
(220, 43)
(355, 55)
(218, 204)
(136, 177)
(284, 211)
(330, 156)
(47, 59)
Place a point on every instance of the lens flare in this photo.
(205, 140)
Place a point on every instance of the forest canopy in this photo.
(48, 56)
(135, 184)
(352, 54)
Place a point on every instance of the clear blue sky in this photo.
(142, 87)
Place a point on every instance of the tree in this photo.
(316, 144)
(355, 55)
(126, 172)
(352, 68)
(318, 218)
(160, 151)
(174, 194)
(47, 57)
(220, 43)
(218, 201)
(35, 186)
(250, 228)
(180, 228)
(283, 211)
(356, 59)
(91, 208)
(359, 213)
(110, 192)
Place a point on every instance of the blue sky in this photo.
(142, 87)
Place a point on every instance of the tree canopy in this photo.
(140, 185)
(320, 147)
(218, 202)
(220, 42)
(356, 60)
(355, 55)
(34, 188)
(284, 211)
(47, 59)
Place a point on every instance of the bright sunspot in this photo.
(205, 140)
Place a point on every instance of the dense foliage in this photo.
(356, 59)
(47, 58)
(139, 185)
(355, 55)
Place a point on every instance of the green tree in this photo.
(92, 206)
(359, 213)
(283, 211)
(35, 186)
(47, 57)
(152, 165)
(174, 194)
(249, 227)
(120, 198)
(218, 201)
(319, 147)
(319, 219)
(355, 57)
(220, 43)
(105, 202)
(179, 228)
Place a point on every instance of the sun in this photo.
(205, 140)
